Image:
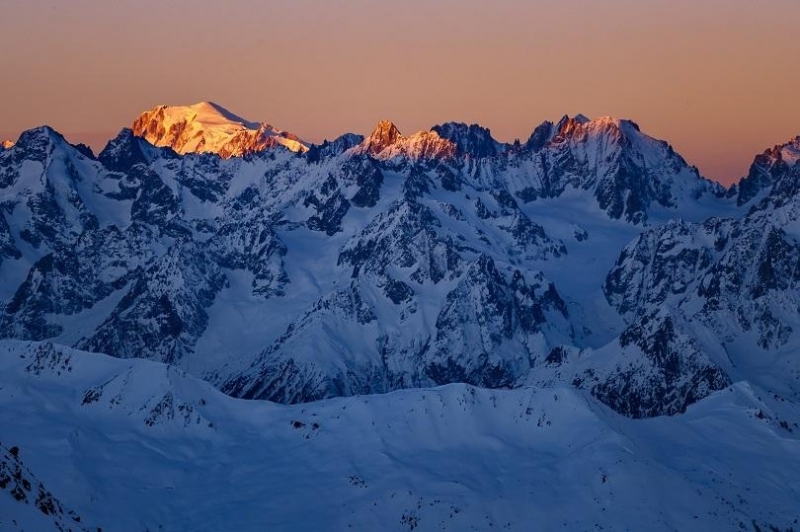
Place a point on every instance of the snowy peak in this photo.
(125, 150)
(471, 140)
(386, 142)
(628, 171)
(768, 168)
(337, 146)
(211, 112)
(207, 127)
(6, 144)
(547, 130)
(568, 125)
(788, 153)
(427, 145)
(542, 134)
(37, 143)
(580, 127)
(39, 134)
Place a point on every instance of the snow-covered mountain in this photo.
(136, 445)
(28, 504)
(766, 169)
(364, 266)
(209, 128)
(386, 142)
(580, 279)
(6, 144)
(732, 283)
(628, 172)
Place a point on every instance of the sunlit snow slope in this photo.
(207, 127)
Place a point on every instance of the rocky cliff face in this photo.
(471, 140)
(767, 168)
(386, 142)
(733, 280)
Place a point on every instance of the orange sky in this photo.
(719, 79)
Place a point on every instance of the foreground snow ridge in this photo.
(138, 445)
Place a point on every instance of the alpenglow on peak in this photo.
(207, 127)
(386, 142)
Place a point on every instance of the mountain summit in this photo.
(766, 170)
(384, 135)
(386, 142)
(628, 172)
(207, 127)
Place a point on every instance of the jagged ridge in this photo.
(369, 265)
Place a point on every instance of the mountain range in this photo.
(465, 280)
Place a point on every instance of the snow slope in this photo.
(137, 445)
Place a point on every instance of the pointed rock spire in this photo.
(568, 125)
(547, 131)
(543, 134)
(384, 135)
(386, 142)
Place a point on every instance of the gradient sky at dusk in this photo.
(718, 79)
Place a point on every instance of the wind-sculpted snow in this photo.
(134, 445)
(367, 265)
